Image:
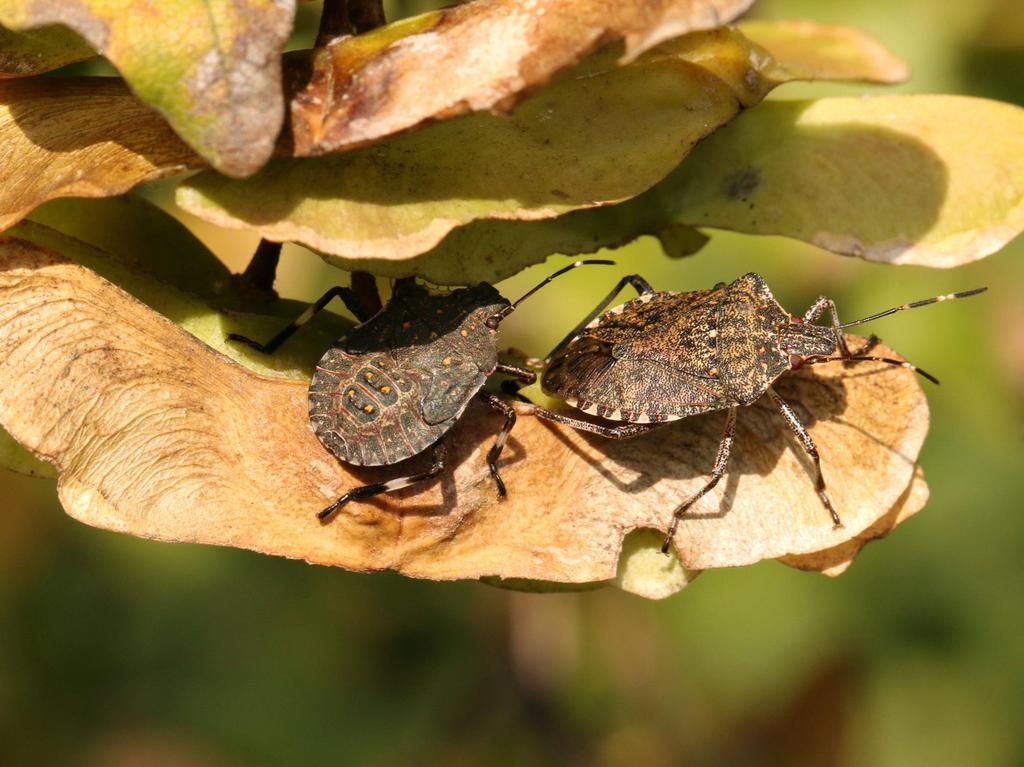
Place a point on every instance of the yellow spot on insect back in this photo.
(385, 390)
(446, 361)
(367, 408)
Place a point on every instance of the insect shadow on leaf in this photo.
(665, 356)
(394, 385)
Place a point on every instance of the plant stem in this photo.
(364, 285)
(341, 18)
(261, 272)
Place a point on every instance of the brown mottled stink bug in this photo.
(395, 384)
(665, 356)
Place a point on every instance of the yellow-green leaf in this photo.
(212, 69)
(80, 137)
(903, 179)
(812, 51)
(35, 51)
(16, 458)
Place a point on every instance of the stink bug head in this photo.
(801, 340)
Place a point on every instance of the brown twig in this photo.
(261, 272)
(364, 285)
(348, 17)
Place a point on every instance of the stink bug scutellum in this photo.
(665, 356)
(395, 384)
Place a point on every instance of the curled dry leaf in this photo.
(212, 69)
(157, 435)
(477, 56)
(81, 136)
(561, 150)
(903, 179)
(33, 52)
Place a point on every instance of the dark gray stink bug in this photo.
(665, 356)
(396, 383)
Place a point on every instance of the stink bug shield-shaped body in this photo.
(665, 356)
(399, 381)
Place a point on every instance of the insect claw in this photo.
(324, 515)
(248, 342)
(666, 544)
(837, 523)
(498, 481)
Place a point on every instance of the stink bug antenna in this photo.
(914, 305)
(493, 321)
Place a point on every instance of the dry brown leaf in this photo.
(482, 55)
(157, 435)
(836, 560)
(79, 137)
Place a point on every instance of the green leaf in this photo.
(812, 51)
(903, 179)
(16, 458)
(212, 69)
(142, 237)
(33, 52)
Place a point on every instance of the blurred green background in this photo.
(117, 651)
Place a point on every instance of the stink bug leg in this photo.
(527, 377)
(721, 462)
(804, 436)
(440, 456)
(345, 294)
